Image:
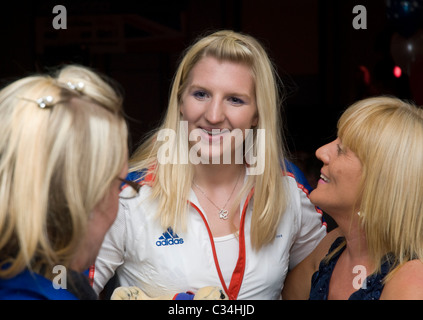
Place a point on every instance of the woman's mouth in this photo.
(214, 134)
(323, 179)
(214, 131)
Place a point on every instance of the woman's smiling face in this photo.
(338, 190)
(219, 97)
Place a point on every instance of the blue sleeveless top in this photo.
(321, 278)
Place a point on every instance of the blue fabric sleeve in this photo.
(298, 174)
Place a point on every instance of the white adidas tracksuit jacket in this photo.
(162, 262)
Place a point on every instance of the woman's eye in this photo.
(200, 95)
(235, 100)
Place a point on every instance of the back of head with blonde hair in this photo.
(386, 134)
(56, 164)
(173, 181)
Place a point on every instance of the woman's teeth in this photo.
(214, 132)
(324, 178)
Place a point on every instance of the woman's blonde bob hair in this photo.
(173, 181)
(386, 134)
(56, 164)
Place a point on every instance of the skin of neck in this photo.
(356, 249)
(215, 175)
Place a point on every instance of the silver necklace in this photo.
(223, 213)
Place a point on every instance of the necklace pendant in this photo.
(223, 214)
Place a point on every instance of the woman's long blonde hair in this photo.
(386, 134)
(56, 164)
(173, 181)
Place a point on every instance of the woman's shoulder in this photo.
(298, 281)
(328, 244)
(28, 285)
(406, 283)
(135, 210)
(298, 176)
(295, 188)
(142, 176)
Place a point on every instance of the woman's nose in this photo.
(215, 111)
(322, 154)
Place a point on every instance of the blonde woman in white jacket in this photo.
(200, 220)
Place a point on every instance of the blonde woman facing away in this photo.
(63, 152)
(372, 185)
(215, 208)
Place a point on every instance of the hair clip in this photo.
(78, 86)
(45, 102)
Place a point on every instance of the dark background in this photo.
(323, 61)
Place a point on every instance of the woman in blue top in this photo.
(372, 185)
(63, 152)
